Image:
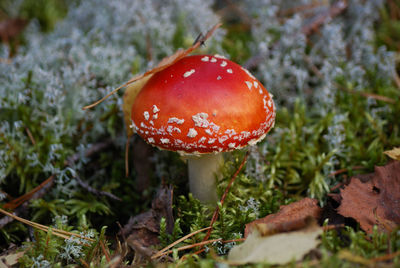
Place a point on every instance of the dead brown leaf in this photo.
(290, 217)
(143, 230)
(374, 201)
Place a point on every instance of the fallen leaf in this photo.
(374, 199)
(10, 259)
(276, 249)
(394, 153)
(289, 217)
(143, 229)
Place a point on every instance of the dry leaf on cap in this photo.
(375, 201)
(289, 217)
(276, 249)
(394, 153)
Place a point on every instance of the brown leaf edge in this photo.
(373, 200)
(290, 217)
(164, 63)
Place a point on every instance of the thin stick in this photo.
(58, 232)
(191, 246)
(105, 97)
(343, 170)
(30, 136)
(386, 257)
(161, 252)
(103, 248)
(18, 201)
(127, 156)
(216, 211)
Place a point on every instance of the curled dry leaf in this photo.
(290, 217)
(276, 249)
(144, 229)
(375, 201)
(394, 153)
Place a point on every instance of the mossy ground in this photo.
(292, 163)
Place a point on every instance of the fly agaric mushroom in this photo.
(202, 106)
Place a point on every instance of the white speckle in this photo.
(171, 129)
(248, 73)
(164, 140)
(219, 56)
(208, 131)
(205, 58)
(146, 132)
(155, 109)
(223, 64)
(249, 84)
(255, 141)
(222, 139)
(151, 122)
(143, 125)
(151, 140)
(188, 73)
(269, 103)
(219, 77)
(260, 91)
(202, 139)
(176, 120)
(192, 133)
(229, 71)
(213, 60)
(255, 84)
(211, 140)
(146, 115)
(200, 120)
(232, 145)
(230, 132)
(133, 125)
(270, 95)
(155, 116)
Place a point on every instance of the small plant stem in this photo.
(103, 248)
(161, 252)
(192, 246)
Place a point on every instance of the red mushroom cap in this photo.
(203, 104)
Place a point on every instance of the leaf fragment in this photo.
(394, 153)
(289, 217)
(276, 249)
(374, 200)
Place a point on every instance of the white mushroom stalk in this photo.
(204, 172)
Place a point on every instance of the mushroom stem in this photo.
(204, 172)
